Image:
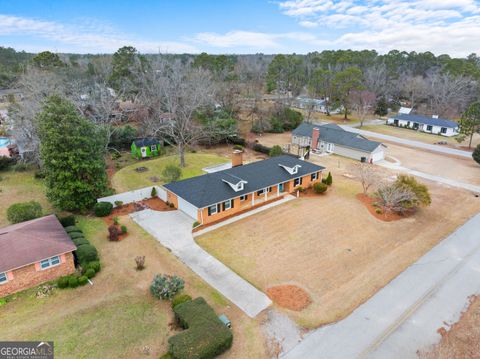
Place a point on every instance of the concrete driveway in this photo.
(404, 316)
(173, 229)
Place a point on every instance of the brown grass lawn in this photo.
(117, 317)
(332, 247)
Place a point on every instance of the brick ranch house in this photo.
(34, 252)
(214, 196)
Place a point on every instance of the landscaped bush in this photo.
(195, 224)
(171, 173)
(72, 282)
(206, 336)
(179, 299)
(67, 221)
(275, 151)
(153, 193)
(329, 179)
(86, 253)
(140, 262)
(6, 162)
(24, 211)
(238, 147)
(166, 286)
(103, 209)
(74, 235)
(95, 265)
(62, 282)
(80, 241)
(320, 187)
(123, 229)
(82, 280)
(261, 148)
(118, 203)
(113, 232)
(90, 273)
(71, 229)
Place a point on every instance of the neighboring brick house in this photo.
(215, 196)
(34, 252)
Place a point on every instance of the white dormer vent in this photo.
(237, 184)
(292, 170)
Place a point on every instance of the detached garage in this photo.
(331, 138)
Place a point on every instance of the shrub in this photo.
(166, 286)
(113, 232)
(301, 189)
(237, 141)
(6, 162)
(476, 154)
(378, 210)
(82, 280)
(171, 205)
(275, 151)
(118, 203)
(39, 174)
(103, 209)
(116, 221)
(179, 299)
(86, 253)
(62, 282)
(71, 229)
(171, 173)
(195, 224)
(80, 241)
(67, 221)
(73, 282)
(123, 228)
(74, 235)
(238, 147)
(90, 273)
(320, 187)
(153, 193)
(261, 148)
(24, 211)
(95, 265)
(206, 336)
(422, 196)
(140, 262)
(329, 179)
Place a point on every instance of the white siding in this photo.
(436, 130)
(188, 208)
(135, 196)
(301, 141)
(351, 153)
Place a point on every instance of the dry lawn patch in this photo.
(333, 247)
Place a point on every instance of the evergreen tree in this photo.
(382, 107)
(72, 153)
(476, 154)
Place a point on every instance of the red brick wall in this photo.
(28, 276)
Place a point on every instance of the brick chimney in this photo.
(237, 158)
(315, 136)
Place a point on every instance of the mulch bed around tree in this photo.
(387, 216)
(289, 296)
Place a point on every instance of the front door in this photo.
(143, 150)
(281, 187)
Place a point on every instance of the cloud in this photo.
(88, 35)
(441, 26)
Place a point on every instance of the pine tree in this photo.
(476, 154)
(72, 153)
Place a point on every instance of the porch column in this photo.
(253, 199)
(278, 190)
(266, 193)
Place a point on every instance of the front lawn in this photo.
(332, 247)
(128, 178)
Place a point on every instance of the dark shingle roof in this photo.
(142, 142)
(335, 134)
(210, 188)
(29, 242)
(442, 122)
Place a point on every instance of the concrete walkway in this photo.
(173, 229)
(411, 143)
(287, 198)
(434, 178)
(403, 316)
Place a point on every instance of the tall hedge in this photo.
(72, 151)
(206, 336)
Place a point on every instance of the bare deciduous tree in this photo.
(362, 102)
(415, 88)
(368, 175)
(393, 197)
(179, 90)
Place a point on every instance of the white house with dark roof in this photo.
(434, 125)
(331, 138)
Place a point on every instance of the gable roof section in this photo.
(205, 190)
(32, 241)
(441, 122)
(142, 142)
(333, 133)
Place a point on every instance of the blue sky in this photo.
(243, 26)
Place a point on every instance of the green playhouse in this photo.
(145, 148)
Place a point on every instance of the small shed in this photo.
(145, 148)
